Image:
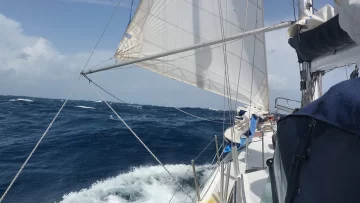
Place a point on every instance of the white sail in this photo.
(162, 25)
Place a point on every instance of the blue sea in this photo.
(89, 156)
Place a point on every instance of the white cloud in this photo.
(32, 66)
(283, 68)
(278, 82)
(28, 61)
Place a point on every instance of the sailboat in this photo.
(220, 46)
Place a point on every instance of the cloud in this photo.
(283, 68)
(29, 61)
(278, 82)
(32, 66)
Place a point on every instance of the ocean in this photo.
(89, 156)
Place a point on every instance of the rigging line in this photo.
(224, 113)
(251, 89)
(191, 166)
(294, 10)
(225, 59)
(138, 138)
(197, 116)
(103, 62)
(253, 61)
(213, 160)
(102, 34)
(132, 3)
(34, 149)
(242, 48)
(91, 81)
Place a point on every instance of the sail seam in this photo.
(240, 57)
(238, 26)
(192, 73)
(241, 54)
(200, 65)
(229, 22)
(224, 48)
(148, 13)
(232, 91)
(252, 75)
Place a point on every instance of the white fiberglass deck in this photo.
(254, 183)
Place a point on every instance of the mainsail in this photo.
(162, 25)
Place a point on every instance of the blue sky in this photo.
(82, 21)
(67, 30)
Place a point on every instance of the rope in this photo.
(138, 138)
(226, 79)
(293, 4)
(57, 114)
(242, 48)
(102, 88)
(197, 116)
(34, 149)
(132, 3)
(213, 160)
(125, 102)
(102, 34)
(191, 166)
(102, 62)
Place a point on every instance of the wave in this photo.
(213, 109)
(112, 118)
(85, 107)
(136, 106)
(97, 101)
(20, 99)
(151, 184)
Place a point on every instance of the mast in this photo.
(310, 83)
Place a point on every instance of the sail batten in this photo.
(159, 26)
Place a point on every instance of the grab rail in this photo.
(285, 108)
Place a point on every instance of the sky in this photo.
(45, 44)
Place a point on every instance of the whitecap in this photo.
(85, 107)
(20, 99)
(213, 109)
(136, 106)
(112, 118)
(97, 101)
(151, 184)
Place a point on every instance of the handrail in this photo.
(286, 99)
(285, 108)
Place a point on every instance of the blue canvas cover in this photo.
(250, 133)
(339, 106)
(318, 149)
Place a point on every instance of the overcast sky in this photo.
(44, 45)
